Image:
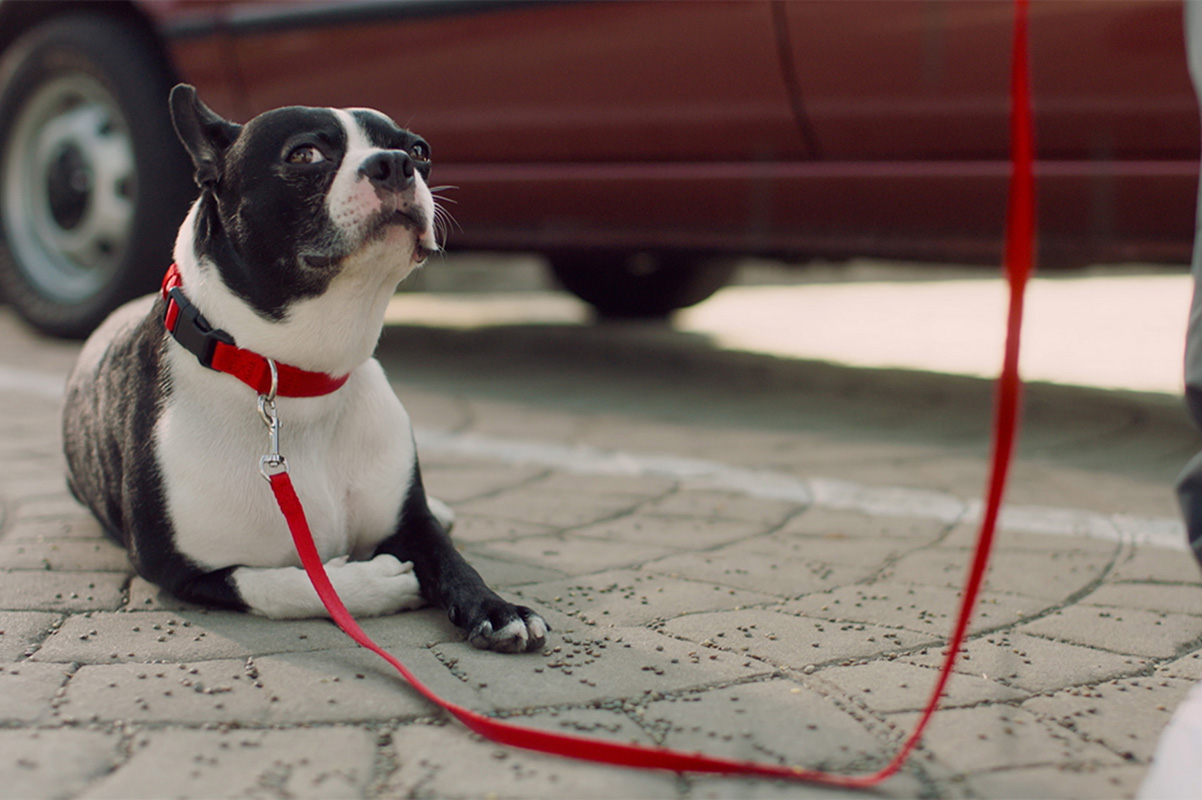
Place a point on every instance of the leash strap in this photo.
(1020, 239)
(215, 349)
(579, 747)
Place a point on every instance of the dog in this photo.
(307, 220)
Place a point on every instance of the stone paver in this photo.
(638, 597)
(27, 690)
(22, 631)
(1129, 721)
(42, 590)
(925, 609)
(66, 555)
(151, 636)
(778, 721)
(325, 763)
(1069, 782)
(447, 762)
(788, 639)
(889, 686)
(1035, 664)
(588, 667)
(55, 762)
(1188, 666)
(777, 588)
(1060, 574)
(1134, 631)
(993, 737)
(1180, 599)
(744, 566)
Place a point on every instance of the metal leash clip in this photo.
(273, 463)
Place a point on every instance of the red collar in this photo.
(216, 350)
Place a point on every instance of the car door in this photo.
(1117, 127)
(563, 124)
(908, 105)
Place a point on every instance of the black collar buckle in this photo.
(193, 331)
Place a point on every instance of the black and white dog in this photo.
(307, 220)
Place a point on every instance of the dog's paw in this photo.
(383, 585)
(508, 628)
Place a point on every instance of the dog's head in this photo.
(293, 197)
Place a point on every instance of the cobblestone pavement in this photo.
(720, 585)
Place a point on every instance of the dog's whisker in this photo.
(444, 223)
(441, 211)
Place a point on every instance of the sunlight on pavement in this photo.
(1112, 332)
(1123, 332)
(470, 311)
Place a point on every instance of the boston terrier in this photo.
(307, 220)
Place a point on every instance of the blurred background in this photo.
(816, 179)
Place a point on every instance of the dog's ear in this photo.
(205, 134)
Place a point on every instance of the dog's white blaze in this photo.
(351, 199)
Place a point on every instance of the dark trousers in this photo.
(1189, 485)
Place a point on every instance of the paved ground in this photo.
(737, 556)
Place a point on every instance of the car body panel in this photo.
(802, 129)
(909, 100)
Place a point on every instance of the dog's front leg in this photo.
(382, 585)
(450, 583)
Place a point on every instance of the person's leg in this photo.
(1176, 770)
(1189, 485)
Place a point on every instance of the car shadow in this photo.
(651, 371)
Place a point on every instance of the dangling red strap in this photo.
(1020, 239)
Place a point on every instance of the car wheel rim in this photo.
(69, 183)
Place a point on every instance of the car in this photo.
(640, 146)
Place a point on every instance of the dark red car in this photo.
(637, 144)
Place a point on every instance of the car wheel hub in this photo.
(68, 178)
(68, 187)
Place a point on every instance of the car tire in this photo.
(93, 182)
(640, 285)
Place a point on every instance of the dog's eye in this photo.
(420, 151)
(305, 154)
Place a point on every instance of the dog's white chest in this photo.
(350, 456)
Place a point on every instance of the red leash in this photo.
(1020, 239)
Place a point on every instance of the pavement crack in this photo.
(385, 763)
(32, 649)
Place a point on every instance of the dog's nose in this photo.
(389, 169)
